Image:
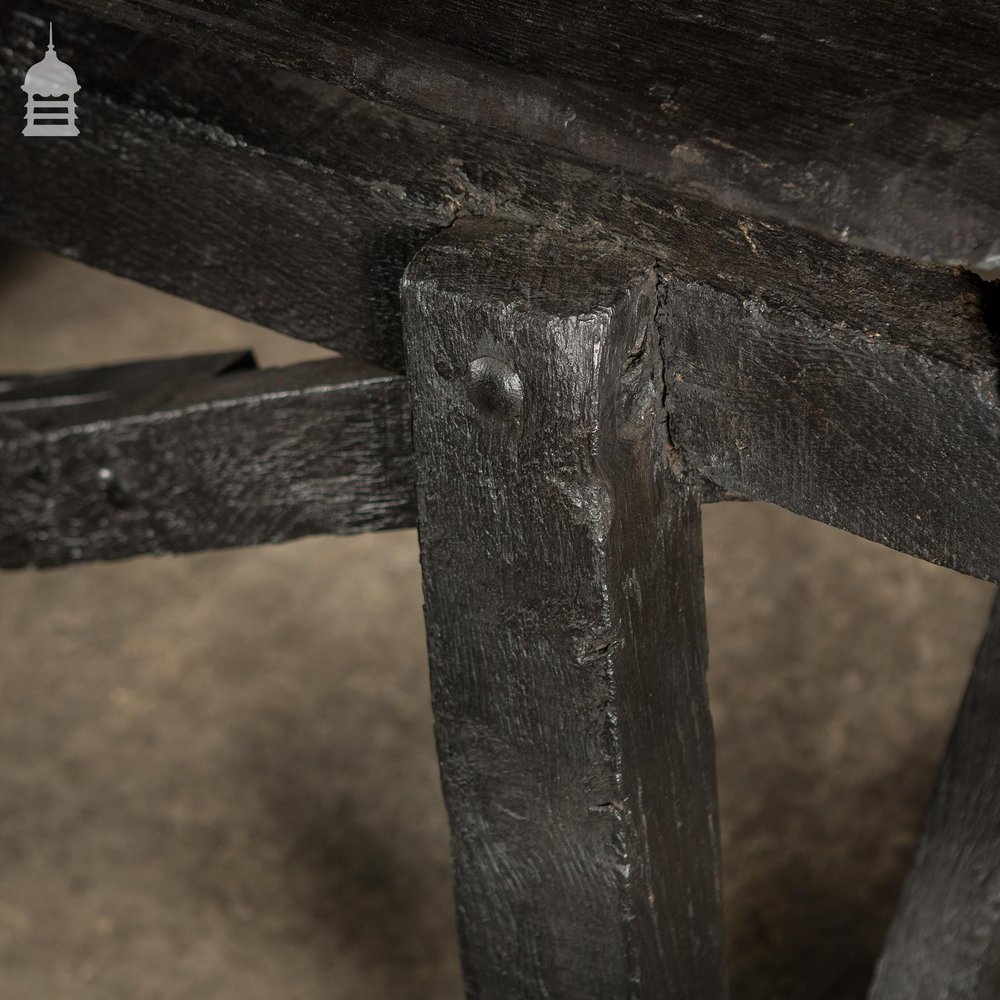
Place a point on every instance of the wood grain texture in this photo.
(944, 943)
(565, 618)
(195, 453)
(873, 123)
(245, 214)
(191, 175)
(884, 422)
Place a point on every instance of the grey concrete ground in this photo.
(217, 776)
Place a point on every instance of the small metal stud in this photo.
(112, 486)
(494, 388)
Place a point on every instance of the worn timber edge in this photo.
(869, 123)
(195, 453)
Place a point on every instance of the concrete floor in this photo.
(218, 777)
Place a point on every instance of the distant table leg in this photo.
(944, 943)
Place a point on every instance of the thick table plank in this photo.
(191, 175)
(189, 454)
(874, 123)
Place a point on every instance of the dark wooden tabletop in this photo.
(876, 123)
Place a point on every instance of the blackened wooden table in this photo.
(590, 266)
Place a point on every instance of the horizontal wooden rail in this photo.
(879, 417)
(196, 453)
(874, 123)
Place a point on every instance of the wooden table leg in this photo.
(565, 621)
(944, 943)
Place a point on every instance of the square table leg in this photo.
(561, 553)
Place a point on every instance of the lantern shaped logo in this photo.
(51, 88)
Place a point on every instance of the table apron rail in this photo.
(187, 454)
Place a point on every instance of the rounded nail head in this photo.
(494, 388)
(111, 485)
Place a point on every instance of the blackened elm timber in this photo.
(561, 551)
(945, 939)
(194, 453)
(873, 122)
